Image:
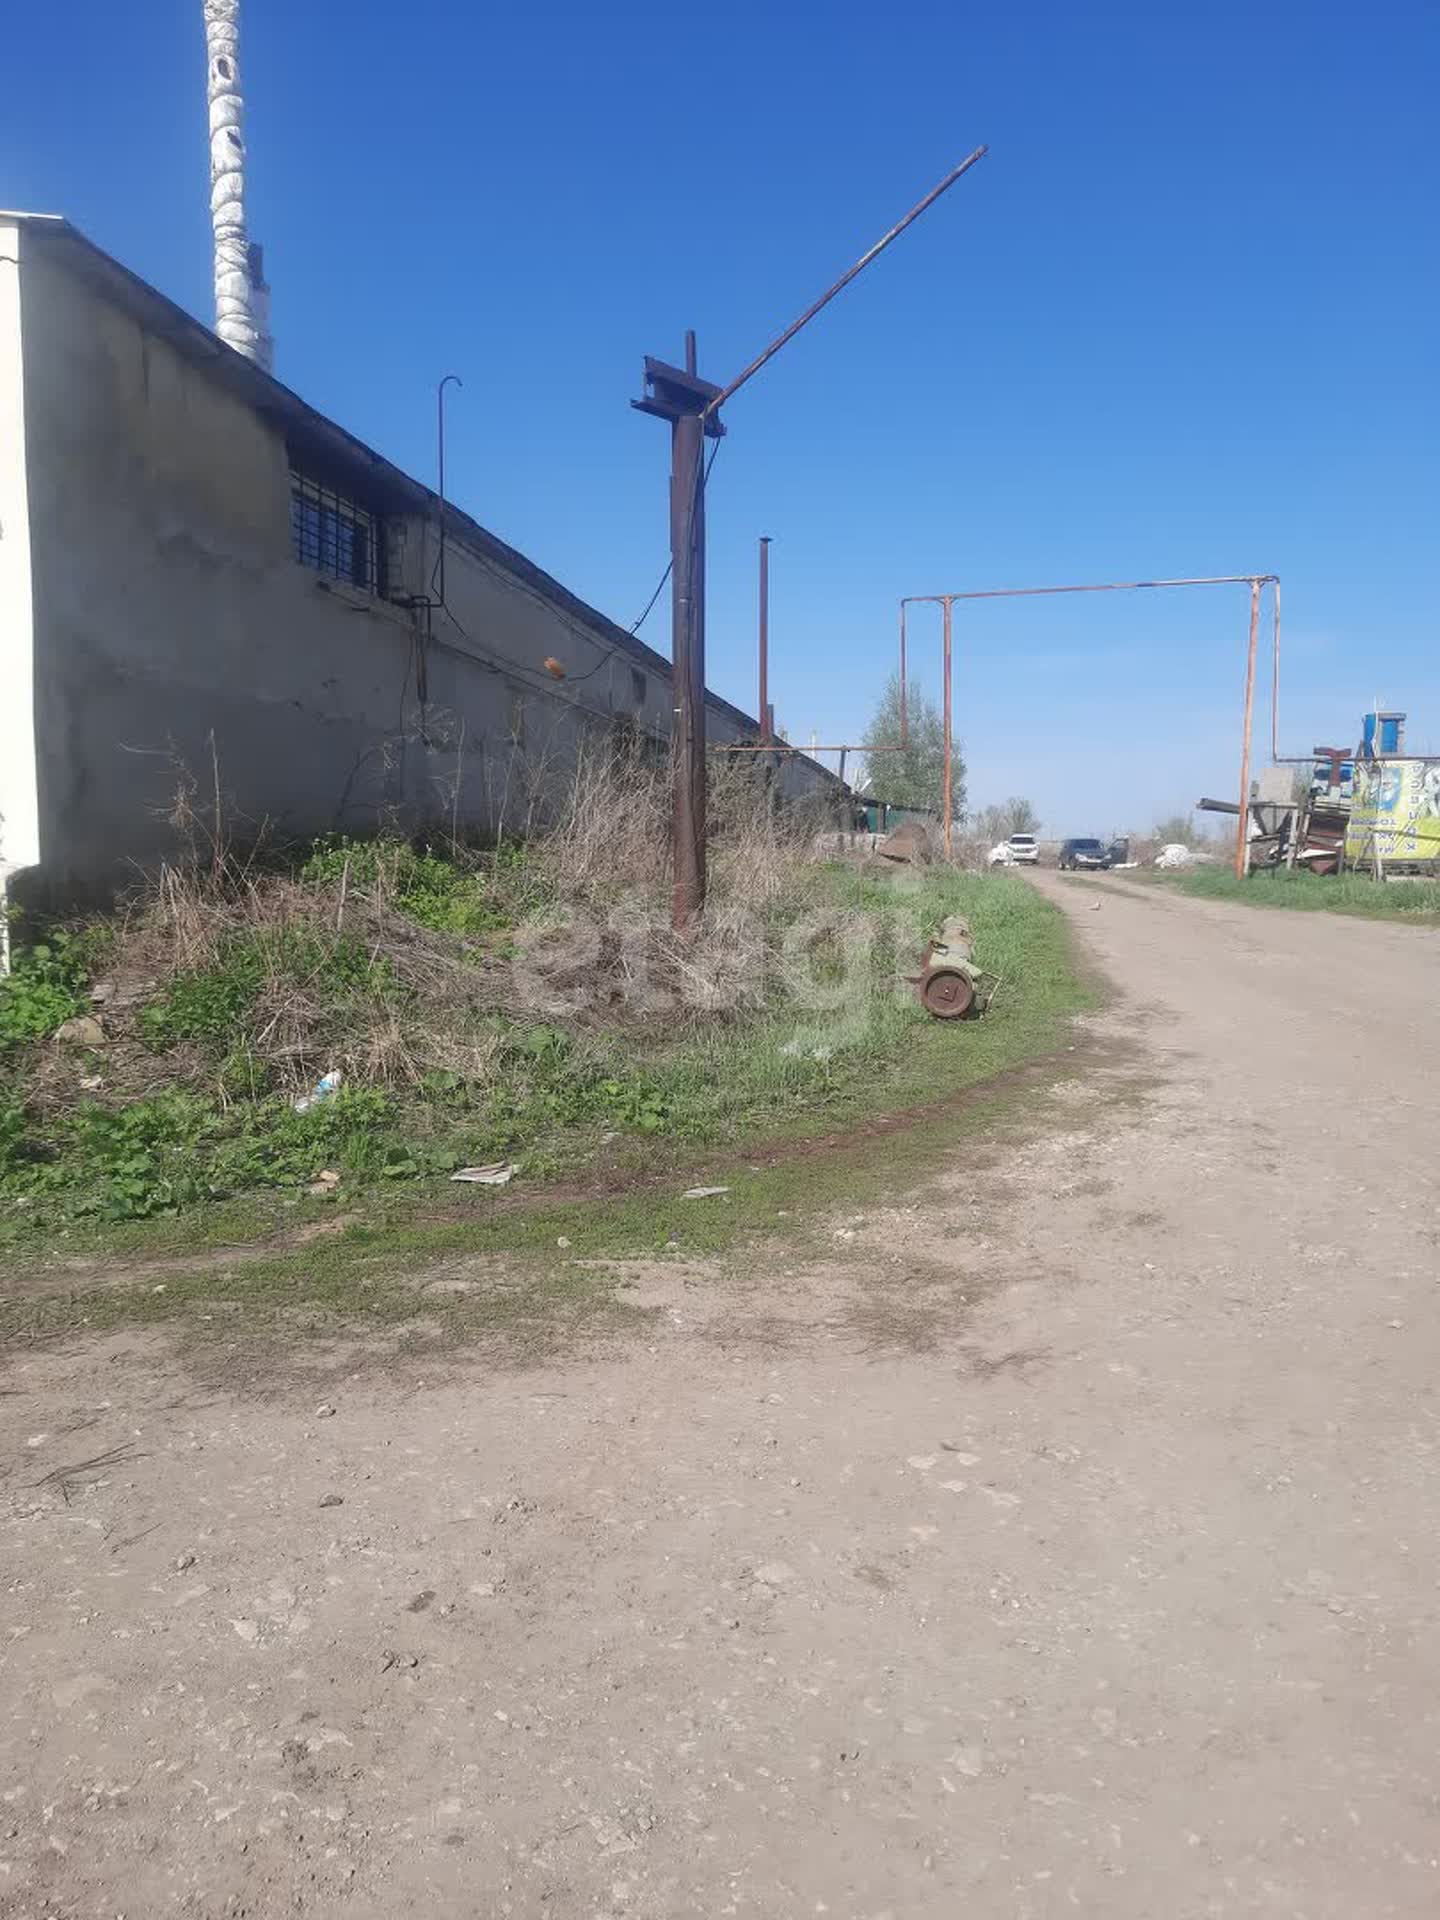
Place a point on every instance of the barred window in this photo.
(336, 535)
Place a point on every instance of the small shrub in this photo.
(444, 1086)
(637, 1103)
(435, 892)
(45, 986)
(206, 1003)
(129, 1163)
(212, 1004)
(547, 1047)
(12, 1135)
(32, 1006)
(244, 1074)
(276, 1147)
(335, 963)
(162, 1154)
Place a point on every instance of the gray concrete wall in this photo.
(169, 610)
(19, 815)
(175, 631)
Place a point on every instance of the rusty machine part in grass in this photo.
(948, 983)
(946, 992)
(908, 845)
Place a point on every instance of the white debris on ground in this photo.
(325, 1088)
(498, 1175)
(1174, 855)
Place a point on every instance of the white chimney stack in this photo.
(242, 299)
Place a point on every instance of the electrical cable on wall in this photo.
(614, 652)
(508, 669)
(505, 667)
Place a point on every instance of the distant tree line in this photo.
(913, 776)
(1015, 815)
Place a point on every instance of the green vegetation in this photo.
(523, 1006)
(443, 894)
(1015, 815)
(44, 988)
(830, 1038)
(1178, 829)
(913, 775)
(212, 1003)
(533, 1272)
(1352, 893)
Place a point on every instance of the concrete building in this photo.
(198, 571)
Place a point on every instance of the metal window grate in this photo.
(335, 535)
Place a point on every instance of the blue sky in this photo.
(1181, 320)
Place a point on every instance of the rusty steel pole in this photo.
(450, 379)
(687, 546)
(946, 603)
(904, 734)
(679, 395)
(1275, 675)
(692, 406)
(699, 769)
(949, 806)
(1242, 830)
(687, 824)
(764, 639)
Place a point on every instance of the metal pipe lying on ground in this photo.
(949, 980)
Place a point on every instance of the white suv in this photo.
(1023, 849)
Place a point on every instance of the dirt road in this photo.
(1065, 1543)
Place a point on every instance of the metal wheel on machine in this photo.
(947, 993)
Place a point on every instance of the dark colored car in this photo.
(1083, 853)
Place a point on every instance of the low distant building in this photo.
(884, 816)
(201, 577)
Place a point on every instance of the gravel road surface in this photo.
(1064, 1543)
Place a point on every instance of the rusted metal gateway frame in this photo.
(1255, 582)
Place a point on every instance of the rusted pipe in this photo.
(810, 312)
(765, 639)
(784, 746)
(949, 809)
(1242, 830)
(904, 730)
(451, 379)
(1105, 586)
(944, 601)
(1275, 677)
(687, 599)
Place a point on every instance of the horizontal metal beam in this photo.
(850, 746)
(1108, 586)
